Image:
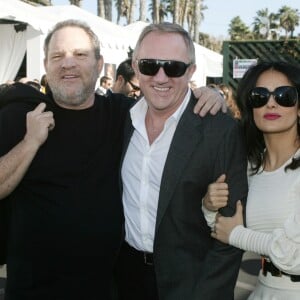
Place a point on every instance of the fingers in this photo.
(198, 107)
(39, 109)
(239, 206)
(221, 178)
(224, 107)
(239, 213)
(207, 101)
(38, 123)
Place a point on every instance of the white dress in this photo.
(273, 230)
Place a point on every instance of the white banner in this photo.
(240, 66)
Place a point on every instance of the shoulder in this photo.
(220, 122)
(115, 101)
(23, 94)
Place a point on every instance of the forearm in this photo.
(14, 165)
(249, 240)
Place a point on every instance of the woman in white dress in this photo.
(268, 97)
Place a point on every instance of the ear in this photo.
(45, 64)
(121, 79)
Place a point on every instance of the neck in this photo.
(154, 124)
(279, 150)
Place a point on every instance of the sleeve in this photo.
(223, 258)
(210, 216)
(282, 245)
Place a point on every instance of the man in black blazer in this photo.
(171, 156)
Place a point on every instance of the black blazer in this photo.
(189, 264)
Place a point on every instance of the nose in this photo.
(161, 75)
(271, 101)
(68, 62)
(137, 93)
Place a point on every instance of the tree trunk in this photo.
(155, 12)
(76, 2)
(197, 20)
(183, 15)
(176, 13)
(108, 9)
(143, 11)
(100, 9)
(132, 8)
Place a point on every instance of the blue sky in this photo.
(219, 12)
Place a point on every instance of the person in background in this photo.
(31, 82)
(268, 97)
(227, 93)
(106, 83)
(170, 157)
(44, 84)
(126, 81)
(59, 160)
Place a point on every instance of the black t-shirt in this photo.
(66, 221)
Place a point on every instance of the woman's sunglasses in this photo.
(172, 68)
(286, 96)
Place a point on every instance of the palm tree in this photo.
(289, 19)
(100, 8)
(155, 10)
(132, 9)
(108, 9)
(40, 2)
(176, 9)
(238, 30)
(143, 11)
(76, 2)
(265, 24)
(194, 16)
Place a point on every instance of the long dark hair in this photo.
(254, 137)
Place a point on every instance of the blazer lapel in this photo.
(186, 137)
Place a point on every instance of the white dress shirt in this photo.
(141, 175)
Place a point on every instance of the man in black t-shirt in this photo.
(59, 162)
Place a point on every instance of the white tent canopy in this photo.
(39, 20)
(209, 63)
(14, 39)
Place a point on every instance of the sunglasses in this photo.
(172, 68)
(133, 86)
(286, 96)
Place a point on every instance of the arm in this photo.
(15, 163)
(281, 245)
(223, 261)
(209, 100)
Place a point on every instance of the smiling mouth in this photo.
(161, 89)
(69, 76)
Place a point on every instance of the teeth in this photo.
(69, 76)
(160, 89)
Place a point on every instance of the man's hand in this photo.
(224, 225)
(217, 194)
(209, 100)
(38, 123)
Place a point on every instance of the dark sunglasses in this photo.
(172, 68)
(286, 96)
(133, 86)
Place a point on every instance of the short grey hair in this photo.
(74, 23)
(167, 28)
